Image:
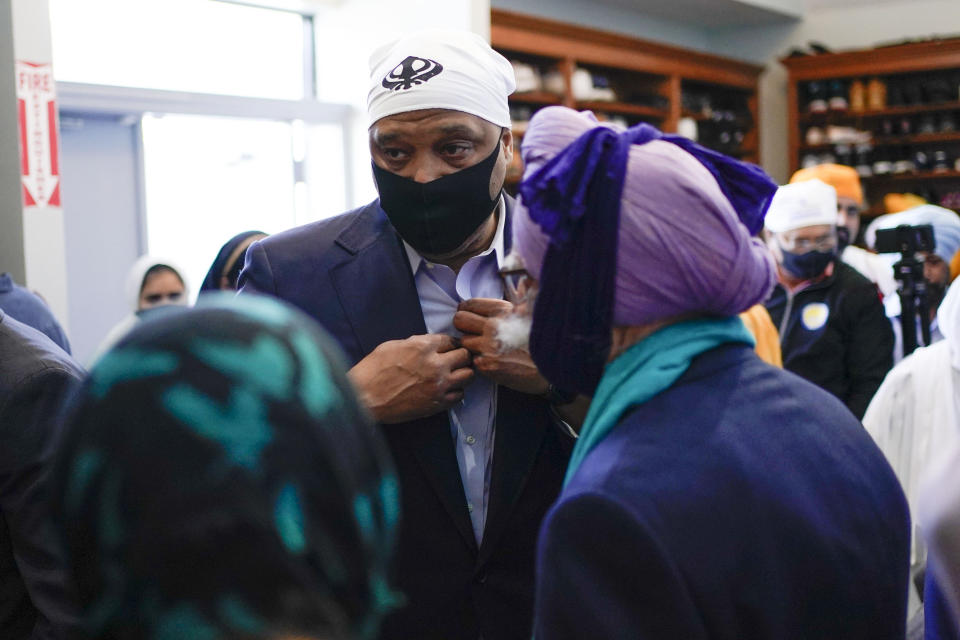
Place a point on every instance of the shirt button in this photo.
(469, 507)
(470, 440)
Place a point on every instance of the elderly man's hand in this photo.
(477, 318)
(406, 379)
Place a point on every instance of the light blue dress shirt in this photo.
(472, 422)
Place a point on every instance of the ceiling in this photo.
(719, 13)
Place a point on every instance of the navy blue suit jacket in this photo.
(741, 503)
(37, 598)
(352, 275)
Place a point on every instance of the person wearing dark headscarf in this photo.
(709, 495)
(226, 267)
(218, 480)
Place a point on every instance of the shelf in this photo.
(536, 97)
(695, 115)
(904, 177)
(893, 141)
(905, 110)
(622, 108)
(649, 78)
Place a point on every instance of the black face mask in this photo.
(437, 217)
(807, 265)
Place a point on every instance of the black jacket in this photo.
(352, 274)
(36, 599)
(835, 334)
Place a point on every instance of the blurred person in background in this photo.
(37, 601)
(936, 264)
(218, 480)
(152, 284)
(709, 495)
(846, 181)
(225, 270)
(833, 330)
(30, 309)
(914, 418)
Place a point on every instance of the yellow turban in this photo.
(955, 266)
(897, 202)
(844, 179)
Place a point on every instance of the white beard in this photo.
(513, 332)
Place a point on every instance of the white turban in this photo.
(802, 204)
(946, 227)
(440, 69)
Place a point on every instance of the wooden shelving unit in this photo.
(640, 72)
(915, 65)
(905, 110)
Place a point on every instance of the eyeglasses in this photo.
(802, 245)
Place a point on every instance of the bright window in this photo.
(209, 178)
(198, 46)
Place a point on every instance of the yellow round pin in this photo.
(814, 315)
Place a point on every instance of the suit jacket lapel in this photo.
(521, 427)
(379, 297)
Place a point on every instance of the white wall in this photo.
(852, 27)
(42, 230)
(595, 15)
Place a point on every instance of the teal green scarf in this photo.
(644, 370)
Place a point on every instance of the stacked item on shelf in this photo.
(626, 80)
(892, 113)
(717, 118)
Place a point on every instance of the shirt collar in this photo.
(496, 246)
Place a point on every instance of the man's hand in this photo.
(477, 318)
(406, 379)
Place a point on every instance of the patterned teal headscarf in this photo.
(219, 481)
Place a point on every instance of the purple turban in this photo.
(682, 247)
(683, 240)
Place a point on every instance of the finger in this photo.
(460, 378)
(473, 344)
(456, 359)
(452, 398)
(484, 364)
(487, 307)
(469, 322)
(444, 343)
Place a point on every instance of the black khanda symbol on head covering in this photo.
(412, 71)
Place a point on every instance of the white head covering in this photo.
(138, 271)
(948, 319)
(802, 204)
(440, 69)
(946, 227)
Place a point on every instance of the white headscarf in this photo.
(946, 227)
(440, 69)
(948, 320)
(138, 271)
(802, 204)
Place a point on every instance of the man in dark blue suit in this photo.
(37, 600)
(709, 495)
(409, 287)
